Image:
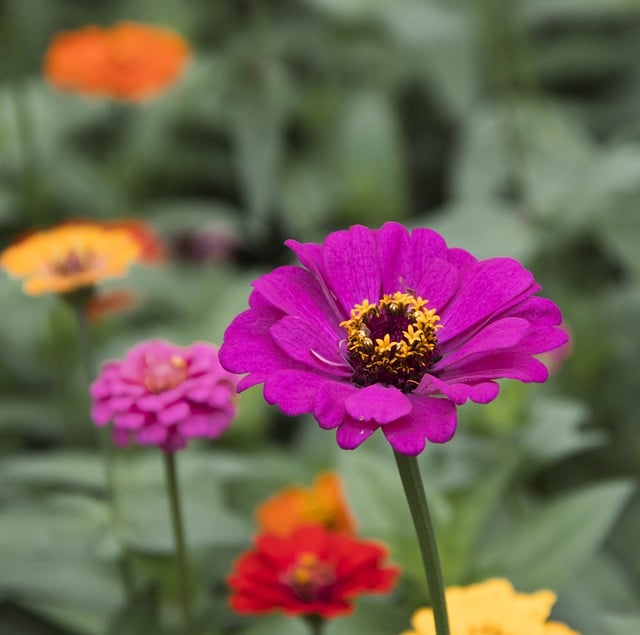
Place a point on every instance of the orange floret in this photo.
(322, 503)
(130, 61)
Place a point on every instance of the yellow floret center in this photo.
(392, 342)
(308, 577)
(161, 375)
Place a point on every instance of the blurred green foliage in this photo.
(512, 127)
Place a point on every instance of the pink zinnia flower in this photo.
(390, 329)
(162, 394)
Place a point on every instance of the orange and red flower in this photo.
(71, 256)
(130, 61)
(311, 572)
(323, 503)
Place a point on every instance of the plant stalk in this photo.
(417, 501)
(173, 492)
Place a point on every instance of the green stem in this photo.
(178, 536)
(78, 302)
(315, 623)
(23, 116)
(417, 500)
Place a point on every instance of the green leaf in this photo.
(556, 431)
(622, 624)
(139, 615)
(54, 470)
(540, 549)
(369, 160)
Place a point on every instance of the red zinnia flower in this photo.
(310, 572)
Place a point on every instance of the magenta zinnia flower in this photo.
(162, 394)
(392, 330)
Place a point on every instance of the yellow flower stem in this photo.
(416, 498)
(77, 302)
(173, 492)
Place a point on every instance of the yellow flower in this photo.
(323, 503)
(69, 257)
(493, 608)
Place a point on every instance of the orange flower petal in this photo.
(322, 503)
(129, 61)
(70, 257)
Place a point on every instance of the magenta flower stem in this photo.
(417, 500)
(173, 492)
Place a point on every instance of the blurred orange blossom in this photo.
(70, 256)
(323, 503)
(129, 61)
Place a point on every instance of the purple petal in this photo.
(173, 414)
(248, 347)
(487, 287)
(498, 335)
(377, 403)
(459, 393)
(438, 283)
(508, 365)
(310, 256)
(460, 258)
(424, 246)
(205, 426)
(129, 420)
(541, 340)
(295, 291)
(315, 347)
(328, 407)
(121, 438)
(351, 266)
(154, 434)
(99, 389)
(432, 418)
(121, 404)
(393, 248)
(539, 311)
(155, 402)
(292, 391)
(101, 413)
(351, 433)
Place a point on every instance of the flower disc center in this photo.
(309, 577)
(393, 342)
(73, 262)
(161, 375)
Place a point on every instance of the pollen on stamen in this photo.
(392, 342)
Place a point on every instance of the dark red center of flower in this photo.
(393, 342)
(310, 578)
(163, 374)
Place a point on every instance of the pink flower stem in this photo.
(173, 492)
(417, 500)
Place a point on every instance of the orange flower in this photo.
(69, 257)
(152, 249)
(130, 61)
(322, 503)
